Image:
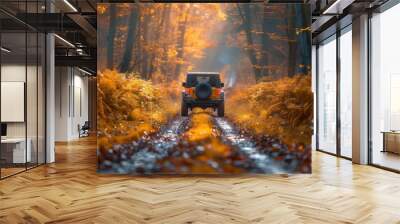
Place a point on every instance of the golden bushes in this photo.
(282, 108)
(129, 107)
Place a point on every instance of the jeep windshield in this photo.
(194, 79)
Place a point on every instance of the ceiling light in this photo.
(337, 7)
(70, 5)
(5, 50)
(80, 51)
(84, 71)
(65, 41)
(333, 6)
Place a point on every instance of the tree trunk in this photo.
(181, 43)
(164, 15)
(164, 59)
(246, 22)
(292, 38)
(138, 48)
(145, 49)
(265, 42)
(111, 35)
(132, 27)
(305, 39)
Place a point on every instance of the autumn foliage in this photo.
(282, 108)
(129, 107)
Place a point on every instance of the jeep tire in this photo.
(184, 109)
(221, 109)
(203, 91)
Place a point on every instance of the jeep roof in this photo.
(191, 78)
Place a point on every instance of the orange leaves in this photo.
(221, 15)
(201, 126)
(276, 36)
(202, 132)
(196, 42)
(172, 53)
(282, 108)
(129, 107)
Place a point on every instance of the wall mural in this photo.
(186, 88)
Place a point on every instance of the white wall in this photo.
(80, 110)
(71, 102)
(12, 73)
(16, 73)
(33, 127)
(62, 81)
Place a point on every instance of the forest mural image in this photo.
(204, 88)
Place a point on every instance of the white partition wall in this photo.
(22, 106)
(12, 98)
(14, 67)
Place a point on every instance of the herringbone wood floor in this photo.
(70, 191)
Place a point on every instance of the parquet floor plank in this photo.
(70, 191)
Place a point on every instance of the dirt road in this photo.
(201, 144)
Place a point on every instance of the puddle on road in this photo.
(141, 156)
(263, 163)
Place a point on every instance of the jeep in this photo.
(205, 90)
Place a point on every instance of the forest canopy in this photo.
(245, 42)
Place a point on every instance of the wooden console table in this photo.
(391, 141)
